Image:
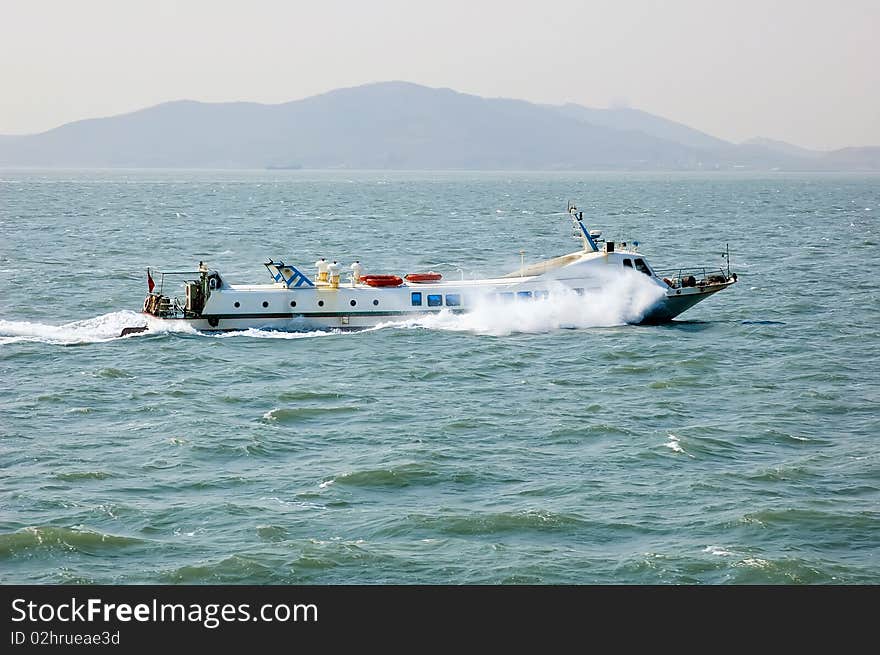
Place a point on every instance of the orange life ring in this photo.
(382, 280)
(423, 277)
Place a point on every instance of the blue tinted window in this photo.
(416, 298)
(523, 294)
(506, 295)
(542, 294)
(453, 300)
(435, 300)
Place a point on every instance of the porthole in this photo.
(265, 303)
(320, 303)
(237, 304)
(375, 302)
(353, 303)
(293, 303)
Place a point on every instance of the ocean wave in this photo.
(294, 414)
(301, 394)
(782, 473)
(83, 475)
(271, 533)
(832, 525)
(399, 476)
(114, 373)
(784, 570)
(719, 564)
(497, 522)
(50, 537)
(231, 570)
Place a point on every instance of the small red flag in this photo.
(150, 284)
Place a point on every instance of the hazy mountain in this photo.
(389, 125)
(783, 148)
(854, 159)
(797, 158)
(625, 118)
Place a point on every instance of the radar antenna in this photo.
(578, 218)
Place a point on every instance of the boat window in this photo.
(642, 267)
(542, 294)
(579, 291)
(265, 304)
(353, 303)
(293, 303)
(453, 300)
(505, 296)
(523, 294)
(237, 304)
(416, 298)
(628, 263)
(435, 300)
(375, 302)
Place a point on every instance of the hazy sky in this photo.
(807, 72)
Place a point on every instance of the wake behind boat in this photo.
(296, 302)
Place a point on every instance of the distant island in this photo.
(400, 125)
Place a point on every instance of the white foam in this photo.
(272, 334)
(720, 551)
(673, 444)
(107, 327)
(93, 330)
(613, 299)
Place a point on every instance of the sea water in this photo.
(544, 442)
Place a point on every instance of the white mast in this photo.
(578, 218)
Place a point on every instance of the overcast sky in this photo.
(806, 72)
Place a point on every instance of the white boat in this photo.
(296, 302)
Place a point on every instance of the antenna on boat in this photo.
(578, 218)
(726, 255)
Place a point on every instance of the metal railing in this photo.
(161, 285)
(698, 276)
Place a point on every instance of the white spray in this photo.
(612, 298)
(106, 327)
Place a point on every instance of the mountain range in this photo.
(400, 125)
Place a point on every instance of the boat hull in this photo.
(674, 303)
(678, 301)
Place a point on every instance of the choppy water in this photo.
(738, 445)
